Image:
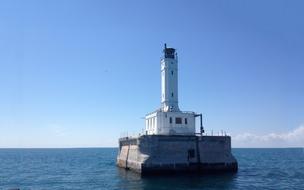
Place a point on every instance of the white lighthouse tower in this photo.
(169, 120)
(169, 80)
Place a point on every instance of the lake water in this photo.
(94, 168)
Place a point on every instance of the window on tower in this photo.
(172, 72)
(170, 119)
(172, 94)
(186, 121)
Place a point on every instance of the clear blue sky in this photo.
(78, 73)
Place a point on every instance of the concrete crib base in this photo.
(163, 154)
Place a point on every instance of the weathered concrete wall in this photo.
(161, 153)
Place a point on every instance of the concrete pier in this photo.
(152, 154)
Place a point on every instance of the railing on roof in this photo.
(160, 110)
(207, 133)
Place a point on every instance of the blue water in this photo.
(95, 169)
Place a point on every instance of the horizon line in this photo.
(117, 147)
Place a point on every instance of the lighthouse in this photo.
(169, 119)
(170, 142)
(169, 80)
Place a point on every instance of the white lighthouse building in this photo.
(170, 143)
(169, 120)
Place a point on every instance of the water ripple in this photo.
(95, 169)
